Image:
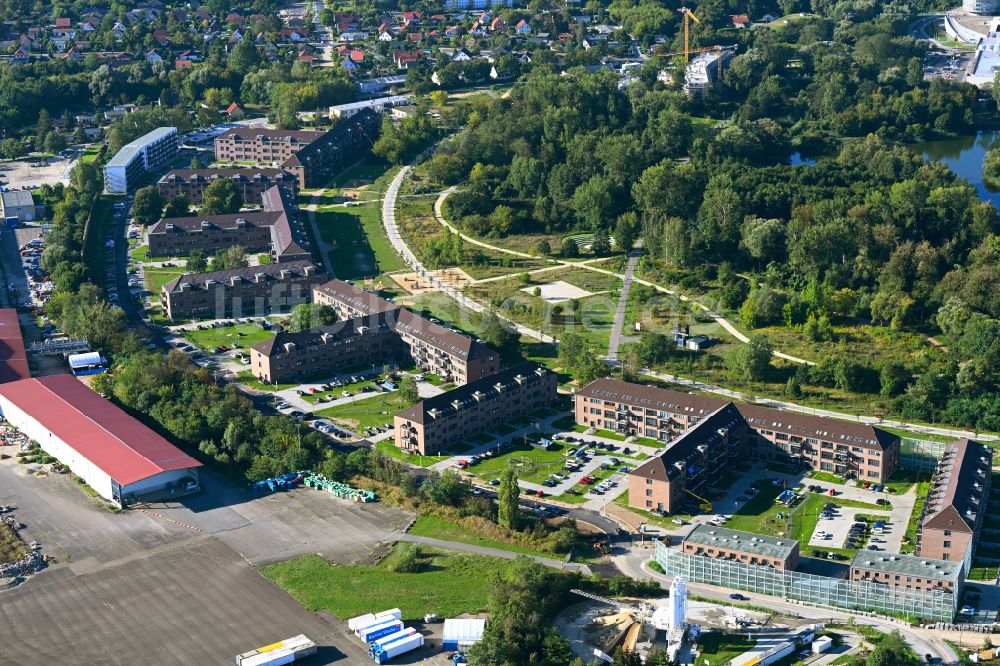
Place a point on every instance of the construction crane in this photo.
(714, 49)
(706, 506)
(688, 15)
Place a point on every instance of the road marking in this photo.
(175, 522)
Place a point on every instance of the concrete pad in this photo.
(558, 291)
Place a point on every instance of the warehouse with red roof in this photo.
(13, 359)
(114, 453)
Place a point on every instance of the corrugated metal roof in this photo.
(112, 440)
(13, 359)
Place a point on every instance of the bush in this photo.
(405, 558)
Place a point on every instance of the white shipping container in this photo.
(392, 638)
(369, 619)
(399, 647)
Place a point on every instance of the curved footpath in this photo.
(392, 230)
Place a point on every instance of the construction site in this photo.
(707, 64)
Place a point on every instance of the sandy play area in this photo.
(417, 284)
(559, 291)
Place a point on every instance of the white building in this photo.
(985, 62)
(986, 7)
(111, 451)
(704, 69)
(17, 205)
(147, 152)
(382, 103)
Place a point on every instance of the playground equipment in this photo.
(338, 489)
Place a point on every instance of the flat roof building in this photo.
(123, 172)
(446, 419)
(956, 504)
(114, 453)
(907, 571)
(13, 358)
(380, 104)
(17, 205)
(744, 547)
(240, 292)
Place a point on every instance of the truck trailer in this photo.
(374, 646)
(376, 631)
(384, 654)
(276, 654)
(368, 619)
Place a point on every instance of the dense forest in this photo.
(869, 233)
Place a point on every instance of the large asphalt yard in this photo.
(175, 583)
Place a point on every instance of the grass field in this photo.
(90, 155)
(374, 411)
(450, 583)
(157, 277)
(439, 528)
(718, 649)
(360, 246)
(246, 377)
(237, 335)
(531, 464)
(387, 447)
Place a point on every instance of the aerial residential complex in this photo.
(324, 350)
(956, 504)
(124, 171)
(313, 157)
(744, 547)
(254, 290)
(448, 418)
(277, 228)
(251, 183)
(453, 356)
(851, 450)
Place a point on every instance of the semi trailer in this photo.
(374, 646)
(356, 623)
(276, 654)
(385, 653)
(376, 631)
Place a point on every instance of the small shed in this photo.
(461, 633)
(822, 644)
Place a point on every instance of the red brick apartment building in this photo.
(682, 420)
(720, 543)
(956, 503)
(324, 350)
(313, 157)
(251, 183)
(907, 571)
(453, 356)
(241, 292)
(276, 228)
(449, 418)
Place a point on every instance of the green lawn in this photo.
(246, 377)
(826, 476)
(531, 464)
(451, 583)
(387, 447)
(90, 155)
(910, 538)
(360, 246)
(240, 336)
(157, 277)
(718, 649)
(374, 411)
(439, 528)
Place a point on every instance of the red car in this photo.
(587, 480)
(540, 493)
(463, 463)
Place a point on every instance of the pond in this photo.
(964, 156)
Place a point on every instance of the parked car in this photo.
(736, 596)
(967, 611)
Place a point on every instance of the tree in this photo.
(508, 511)
(178, 206)
(408, 391)
(147, 206)
(11, 149)
(569, 248)
(601, 244)
(496, 333)
(196, 163)
(55, 143)
(197, 262)
(626, 230)
(543, 247)
(653, 348)
(221, 197)
(753, 359)
(232, 257)
(311, 315)
(43, 127)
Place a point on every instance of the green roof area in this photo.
(747, 542)
(908, 565)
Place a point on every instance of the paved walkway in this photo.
(615, 340)
(321, 245)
